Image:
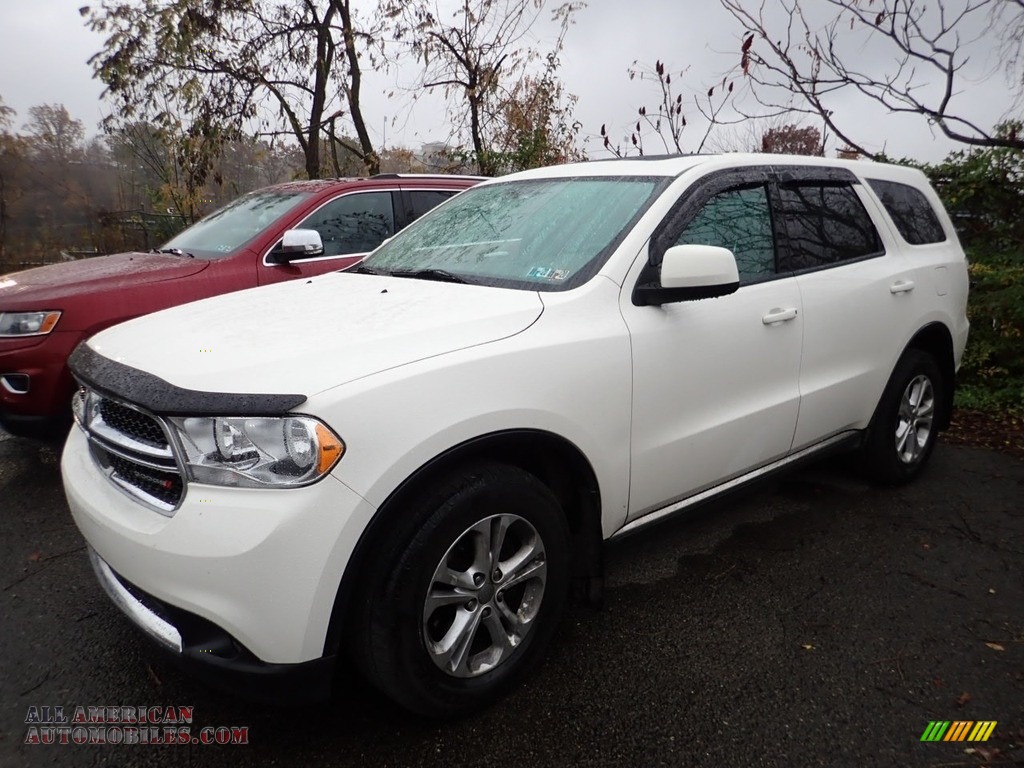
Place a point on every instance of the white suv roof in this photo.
(675, 165)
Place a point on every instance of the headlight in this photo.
(27, 323)
(257, 452)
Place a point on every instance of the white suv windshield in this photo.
(229, 228)
(548, 234)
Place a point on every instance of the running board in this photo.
(710, 493)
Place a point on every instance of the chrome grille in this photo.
(165, 486)
(133, 449)
(133, 423)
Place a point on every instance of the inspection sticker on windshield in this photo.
(547, 273)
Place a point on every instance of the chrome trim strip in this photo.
(135, 493)
(311, 259)
(140, 495)
(110, 434)
(158, 629)
(11, 388)
(689, 501)
(118, 450)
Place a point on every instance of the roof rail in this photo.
(426, 175)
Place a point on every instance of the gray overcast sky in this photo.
(44, 47)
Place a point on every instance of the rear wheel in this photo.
(467, 593)
(904, 427)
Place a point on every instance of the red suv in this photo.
(283, 232)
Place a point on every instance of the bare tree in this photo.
(757, 133)
(53, 183)
(55, 133)
(267, 67)
(476, 55)
(6, 116)
(667, 121)
(667, 116)
(795, 63)
(167, 165)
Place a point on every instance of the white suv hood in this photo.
(309, 335)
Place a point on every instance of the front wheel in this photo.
(467, 592)
(903, 430)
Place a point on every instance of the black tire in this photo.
(400, 637)
(904, 428)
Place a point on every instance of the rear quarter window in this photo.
(910, 211)
(826, 224)
(422, 200)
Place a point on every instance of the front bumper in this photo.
(241, 580)
(212, 654)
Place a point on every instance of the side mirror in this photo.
(297, 244)
(688, 273)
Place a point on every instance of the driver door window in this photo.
(353, 223)
(738, 219)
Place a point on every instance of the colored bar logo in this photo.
(958, 730)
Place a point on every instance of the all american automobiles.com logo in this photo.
(959, 730)
(90, 725)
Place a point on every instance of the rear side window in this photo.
(826, 224)
(422, 200)
(740, 220)
(911, 212)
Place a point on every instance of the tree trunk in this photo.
(483, 162)
(321, 76)
(370, 157)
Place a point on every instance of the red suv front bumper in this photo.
(35, 384)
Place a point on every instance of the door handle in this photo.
(778, 315)
(902, 286)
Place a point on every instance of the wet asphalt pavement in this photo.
(814, 621)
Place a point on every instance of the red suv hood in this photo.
(54, 282)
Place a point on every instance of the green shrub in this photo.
(992, 372)
(983, 190)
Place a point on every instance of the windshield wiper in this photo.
(362, 269)
(440, 275)
(173, 252)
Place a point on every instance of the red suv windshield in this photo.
(226, 230)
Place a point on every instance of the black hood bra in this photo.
(152, 393)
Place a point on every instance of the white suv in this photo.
(407, 465)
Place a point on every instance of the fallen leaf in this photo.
(35, 557)
(988, 753)
(995, 646)
(963, 698)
